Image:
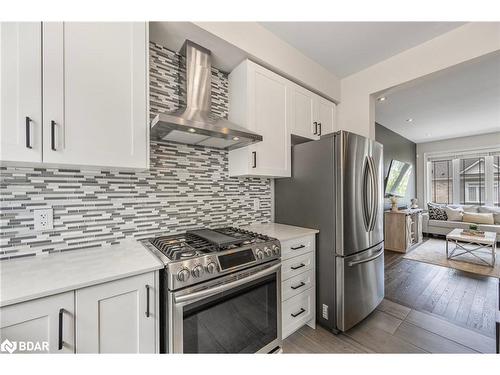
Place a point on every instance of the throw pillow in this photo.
(494, 210)
(454, 214)
(436, 212)
(478, 218)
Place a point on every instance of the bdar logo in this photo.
(8, 346)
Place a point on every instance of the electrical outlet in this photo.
(325, 311)
(256, 204)
(44, 219)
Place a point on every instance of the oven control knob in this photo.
(259, 253)
(211, 267)
(268, 252)
(197, 271)
(276, 249)
(183, 275)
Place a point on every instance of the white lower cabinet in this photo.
(118, 316)
(298, 285)
(43, 325)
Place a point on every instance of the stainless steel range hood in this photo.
(194, 123)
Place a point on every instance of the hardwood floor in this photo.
(428, 309)
(392, 328)
(461, 298)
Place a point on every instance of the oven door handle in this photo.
(222, 288)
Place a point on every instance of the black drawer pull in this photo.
(319, 125)
(301, 311)
(60, 341)
(147, 301)
(298, 286)
(297, 267)
(254, 159)
(298, 247)
(315, 127)
(28, 132)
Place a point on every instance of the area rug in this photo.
(433, 251)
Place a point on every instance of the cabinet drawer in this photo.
(297, 311)
(296, 265)
(297, 284)
(297, 246)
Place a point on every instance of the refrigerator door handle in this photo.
(356, 262)
(374, 192)
(364, 197)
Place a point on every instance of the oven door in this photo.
(240, 313)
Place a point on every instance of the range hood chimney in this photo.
(194, 123)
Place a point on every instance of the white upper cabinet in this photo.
(260, 101)
(325, 112)
(95, 94)
(311, 116)
(21, 91)
(302, 112)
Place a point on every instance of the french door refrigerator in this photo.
(337, 187)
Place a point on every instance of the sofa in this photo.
(443, 226)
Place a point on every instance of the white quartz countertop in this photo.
(39, 276)
(281, 231)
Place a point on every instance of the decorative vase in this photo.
(394, 204)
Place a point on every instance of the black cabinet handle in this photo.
(28, 132)
(254, 159)
(60, 341)
(301, 311)
(298, 247)
(315, 127)
(498, 337)
(297, 267)
(53, 135)
(319, 126)
(298, 286)
(147, 301)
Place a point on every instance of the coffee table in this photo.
(466, 244)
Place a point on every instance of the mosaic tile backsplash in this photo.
(186, 187)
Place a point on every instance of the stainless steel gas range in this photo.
(220, 291)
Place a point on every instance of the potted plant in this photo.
(473, 227)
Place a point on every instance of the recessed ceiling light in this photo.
(236, 139)
(191, 130)
(382, 99)
(409, 120)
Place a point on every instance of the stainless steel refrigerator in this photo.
(337, 187)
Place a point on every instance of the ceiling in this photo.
(345, 48)
(459, 101)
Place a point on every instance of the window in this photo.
(472, 181)
(442, 181)
(496, 180)
(469, 179)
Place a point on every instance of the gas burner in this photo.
(204, 254)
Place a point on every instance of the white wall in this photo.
(267, 49)
(455, 144)
(357, 108)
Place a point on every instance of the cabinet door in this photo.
(269, 116)
(302, 122)
(325, 115)
(95, 94)
(21, 95)
(113, 317)
(44, 325)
